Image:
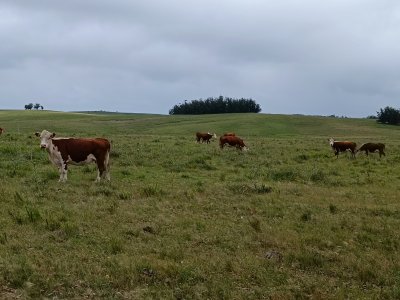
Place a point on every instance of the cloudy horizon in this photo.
(309, 57)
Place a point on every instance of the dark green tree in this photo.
(389, 115)
(29, 106)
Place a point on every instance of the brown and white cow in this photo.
(205, 137)
(342, 146)
(372, 147)
(232, 141)
(76, 151)
(1, 130)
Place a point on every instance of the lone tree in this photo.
(389, 115)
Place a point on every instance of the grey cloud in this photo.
(312, 57)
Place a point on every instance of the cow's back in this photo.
(79, 149)
(231, 140)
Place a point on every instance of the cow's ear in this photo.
(52, 135)
(37, 133)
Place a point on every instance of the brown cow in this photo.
(232, 141)
(229, 134)
(77, 151)
(1, 130)
(205, 136)
(339, 146)
(372, 147)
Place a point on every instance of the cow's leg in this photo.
(105, 174)
(63, 172)
(103, 168)
(98, 176)
(100, 170)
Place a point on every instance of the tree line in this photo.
(218, 105)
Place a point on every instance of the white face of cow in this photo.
(331, 141)
(45, 138)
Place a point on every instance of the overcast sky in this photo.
(309, 57)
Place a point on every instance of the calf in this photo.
(77, 151)
(372, 147)
(339, 146)
(204, 136)
(232, 141)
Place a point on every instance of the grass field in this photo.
(181, 220)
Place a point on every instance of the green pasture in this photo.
(182, 220)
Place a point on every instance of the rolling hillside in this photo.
(182, 220)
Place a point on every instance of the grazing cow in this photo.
(340, 146)
(205, 136)
(1, 130)
(229, 134)
(372, 147)
(232, 141)
(77, 151)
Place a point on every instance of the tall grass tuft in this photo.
(17, 271)
(306, 216)
(152, 190)
(255, 224)
(284, 175)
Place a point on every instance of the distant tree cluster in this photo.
(389, 115)
(218, 105)
(34, 106)
(335, 116)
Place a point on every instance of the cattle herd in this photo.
(79, 151)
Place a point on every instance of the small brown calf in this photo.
(204, 137)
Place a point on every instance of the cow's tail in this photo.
(107, 162)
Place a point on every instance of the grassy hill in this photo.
(185, 220)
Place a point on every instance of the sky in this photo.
(312, 57)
